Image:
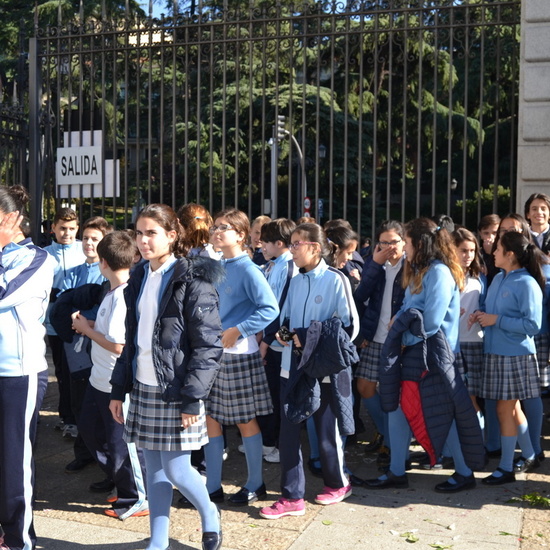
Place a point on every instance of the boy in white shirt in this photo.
(121, 462)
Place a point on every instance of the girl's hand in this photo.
(9, 228)
(355, 274)
(486, 319)
(381, 255)
(187, 420)
(282, 342)
(115, 406)
(230, 337)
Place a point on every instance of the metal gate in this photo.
(391, 108)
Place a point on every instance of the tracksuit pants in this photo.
(331, 450)
(18, 400)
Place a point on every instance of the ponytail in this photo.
(527, 254)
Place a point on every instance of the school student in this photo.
(433, 279)
(512, 317)
(240, 392)
(318, 293)
(25, 284)
(77, 351)
(278, 271)
(67, 252)
(378, 298)
(101, 434)
(168, 365)
(472, 297)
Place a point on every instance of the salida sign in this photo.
(79, 165)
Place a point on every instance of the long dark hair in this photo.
(167, 219)
(527, 254)
(431, 242)
(462, 234)
(339, 237)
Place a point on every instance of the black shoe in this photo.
(494, 454)
(386, 469)
(211, 540)
(541, 456)
(313, 468)
(392, 482)
(244, 496)
(105, 486)
(216, 496)
(77, 464)
(506, 477)
(375, 444)
(356, 481)
(522, 464)
(462, 484)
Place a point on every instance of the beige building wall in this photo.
(534, 102)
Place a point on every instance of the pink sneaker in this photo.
(332, 496)
(284, 507)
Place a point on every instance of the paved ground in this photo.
(69, 517)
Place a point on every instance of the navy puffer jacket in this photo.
(186, 336)
(424, 381)
(369, 294)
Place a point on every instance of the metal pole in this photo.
(302, 164)
(274, 172)
(35, 156)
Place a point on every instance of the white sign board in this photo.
(80, 169)
(79, 165)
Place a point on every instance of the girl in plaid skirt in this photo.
(240, 392)
(470, 358)
(168, 365)
(512, 318)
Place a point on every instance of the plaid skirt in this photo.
(469, 363)
(369, 362)
(155, 425)
(505, 377)
(541, 343)
(240, 392)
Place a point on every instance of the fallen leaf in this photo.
(326, 522)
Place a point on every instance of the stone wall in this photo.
(534, 101)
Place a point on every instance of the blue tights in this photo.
(164, 470)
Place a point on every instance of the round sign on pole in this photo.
(307, 203)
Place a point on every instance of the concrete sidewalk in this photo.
(69, 517)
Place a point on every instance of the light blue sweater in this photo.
(246, 300)
(517, 300)
(439, 302)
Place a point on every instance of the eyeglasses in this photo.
(389, 243)
(297, 244)
(220, 228)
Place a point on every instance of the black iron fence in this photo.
(391, 108)
(13, 144)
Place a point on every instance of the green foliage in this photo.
(534, 499)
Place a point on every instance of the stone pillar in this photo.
(534, 102)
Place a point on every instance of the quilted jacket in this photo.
(327, 351)
(186, 336)
(423, 380)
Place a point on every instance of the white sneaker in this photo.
(271, 454)
(70, 430)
